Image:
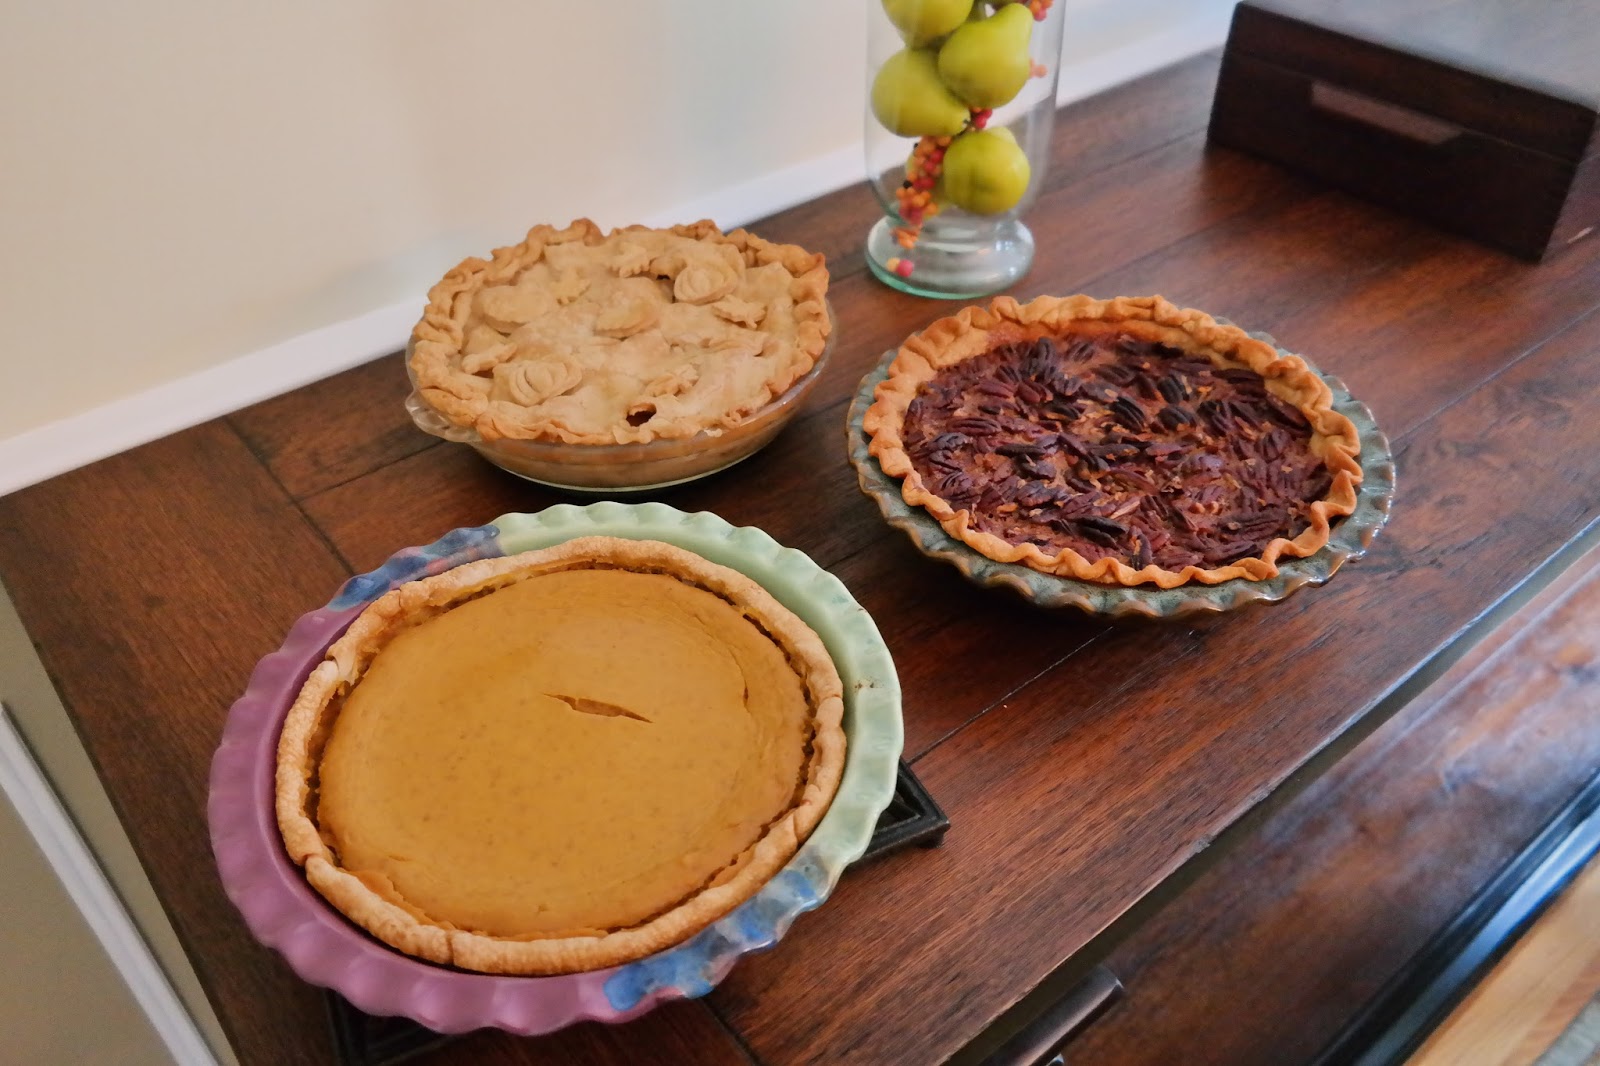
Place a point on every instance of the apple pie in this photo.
(639, 334)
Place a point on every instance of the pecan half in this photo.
(1117, 447)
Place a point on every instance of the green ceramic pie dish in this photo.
(1350, 539)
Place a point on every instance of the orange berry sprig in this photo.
(915, 197)
(915, 194)
(922, 171)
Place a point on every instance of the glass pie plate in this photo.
(1350, 539)
(285, 913)
(612, 468)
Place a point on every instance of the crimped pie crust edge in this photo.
(345, 661)
(977, 329)
(441, 331)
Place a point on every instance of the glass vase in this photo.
(941, 99)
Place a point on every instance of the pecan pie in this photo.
(561, 760)
(586, 337)
(1122, 441)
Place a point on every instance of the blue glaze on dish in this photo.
(691, 969)
(454, 548)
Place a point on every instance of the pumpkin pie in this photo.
(559, 761)
(1122, 441)
(585, 337)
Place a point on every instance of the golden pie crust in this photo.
(639, 334)
(976, 330)
(413, 738)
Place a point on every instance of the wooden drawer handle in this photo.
(1391, 118)
(1041, 1042)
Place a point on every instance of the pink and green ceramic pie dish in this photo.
(285, 913)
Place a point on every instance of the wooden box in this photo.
(1481, 116)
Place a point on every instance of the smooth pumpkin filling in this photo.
(569, 755)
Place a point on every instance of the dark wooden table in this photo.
(1086, 768)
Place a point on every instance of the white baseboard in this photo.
(57, 447)
(739, 205)
(24, 784)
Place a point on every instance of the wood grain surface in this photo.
(1535, 992)
(1309, 917)
(1125, 760)
(150, 591)
(1084, 766)
(351, 438)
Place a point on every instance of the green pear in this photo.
(911, 101)
(986, 63)
(985, 172)
(922, 22)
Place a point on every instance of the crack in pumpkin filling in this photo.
(1115, 446)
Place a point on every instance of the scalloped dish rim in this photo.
(325, 949)
(1350, 538)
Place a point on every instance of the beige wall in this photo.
(185, 181)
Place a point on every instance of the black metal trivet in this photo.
(912, 817)
(359, 1039)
